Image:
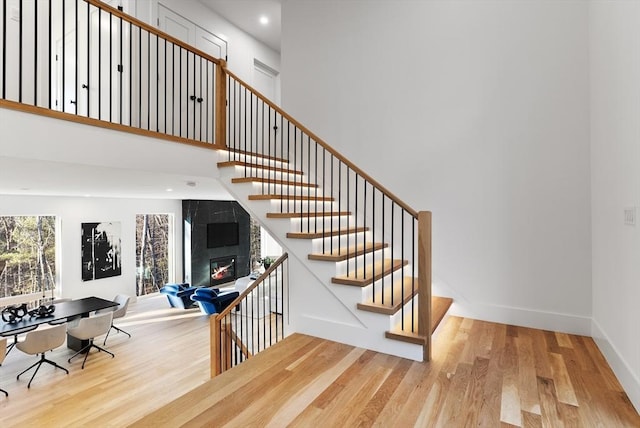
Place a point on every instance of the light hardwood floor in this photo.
(482, 374)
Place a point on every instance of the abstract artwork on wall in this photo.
(101, 250)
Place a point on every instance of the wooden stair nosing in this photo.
(269, 181)
(389, 308)
(325, 234)
(371, 275)
(291, 198)
(226, 164)
(439, 308)
(342, 254)
(309, 214)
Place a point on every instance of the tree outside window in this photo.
(27, 255)
(152, 252)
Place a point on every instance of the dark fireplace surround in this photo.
(197, 215)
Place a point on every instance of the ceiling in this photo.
(245, 14)
(45, 178)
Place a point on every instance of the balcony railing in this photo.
(254, 321)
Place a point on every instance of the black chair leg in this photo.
(85, 348)
(88, 349)
(114, 327)
(39, 364)
(6, 394)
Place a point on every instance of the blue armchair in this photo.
(212, 301)
(179, 295)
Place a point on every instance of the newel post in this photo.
(214, 330)
(424, 281)
(220, 113)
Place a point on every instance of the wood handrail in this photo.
(152, 30)
(330, 149)
(252, 287)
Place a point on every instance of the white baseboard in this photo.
(565, 323)
(628, 379)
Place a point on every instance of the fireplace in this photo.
(222, 270)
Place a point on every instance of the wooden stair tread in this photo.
(325, 233)
(439, 308)
(371, 272)
(390, 306)
(308, 214)
(343, 253)
(269, 181)
(256, 155)
(233, 163)
(291, 197)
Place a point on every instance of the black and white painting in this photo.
(100, 250)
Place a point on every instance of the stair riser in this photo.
(339, 241)
(409, 309)
(314, 224)
(389, 284)
(242, 171)
(360, 261)
(281, 205)
(285, 190)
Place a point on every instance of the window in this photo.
(153, 256)
(27, 256)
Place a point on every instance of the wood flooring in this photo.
(482, 374)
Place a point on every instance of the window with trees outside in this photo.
(153, 256)
(27, 256)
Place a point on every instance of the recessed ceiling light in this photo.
(169, 190)
(264, 20)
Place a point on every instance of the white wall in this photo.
(477, 111)
(615, 162)
(72, 212)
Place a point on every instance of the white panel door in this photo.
(191, 102)
(264, 81)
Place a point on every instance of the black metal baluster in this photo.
(148, 80)
(130, 74)
(180, 96)
(402, 270)
(166, 76)
(77, 62)
(62, 64)
(173, 89)
(373, 237)
(384, 208)
(20, 52)
(140, 77)
(261, 130)
(364, 233)
(156, 78)
(339, 205)
(121, 71)
(110, 67)
(35, 53)
(88, 58)
(393, 232)
(348, 202)
(4, 49)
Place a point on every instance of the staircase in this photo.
(340, 250)
(360, 257)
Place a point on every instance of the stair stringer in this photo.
(318, 307)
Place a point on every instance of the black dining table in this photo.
(63, 311)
